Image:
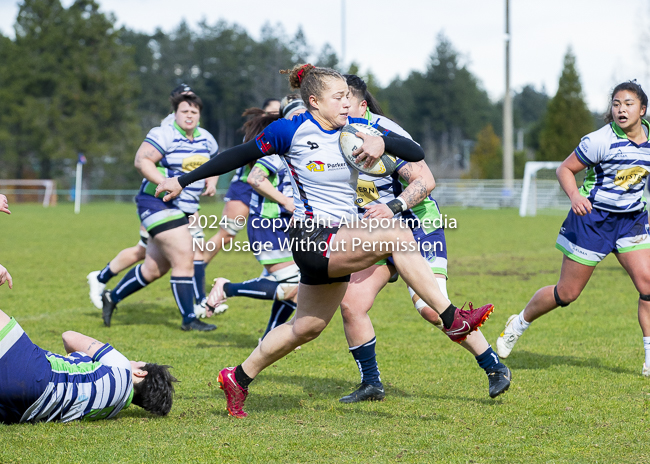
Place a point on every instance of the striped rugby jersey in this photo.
(84, 387)
(323, 183)
(280, 179)
(180, 155)
(617, 169)
(373, 190)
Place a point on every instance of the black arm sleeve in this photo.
(224, 162)
(402, 147)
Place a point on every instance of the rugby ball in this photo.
(349, 142)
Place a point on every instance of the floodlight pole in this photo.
(508, 149)
(342, 34)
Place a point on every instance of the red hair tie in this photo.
(301, 72)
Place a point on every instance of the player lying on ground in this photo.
(324, 199)
(405, 195)
(608, 214)
(95, 381)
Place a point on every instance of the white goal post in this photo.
(48, 184)
(530, 181)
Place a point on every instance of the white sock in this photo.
(519, 324)
(646, 347)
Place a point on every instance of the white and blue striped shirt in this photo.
(84, 387)
(181, 155)
(617, 169)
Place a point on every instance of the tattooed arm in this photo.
(74, 341)
(420, 184)
(258, 179)
(145, 162)
(420, 180)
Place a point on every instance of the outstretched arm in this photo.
(5, 277)
(74, 341)
(224, 162)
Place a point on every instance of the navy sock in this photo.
(183, 290)
(260, 289)
(364, 355)
(281, 311)
(489, 360)
(199, 281)
(130, 283)
(106, 274)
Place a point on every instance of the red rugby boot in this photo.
(235, 395)
(467, 320)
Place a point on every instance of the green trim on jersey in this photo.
(589, 183)
(60, 365)
(184, 134)
(270, 209)
(150, 188)
(99, 414)
(619, 132)
(575, 258)
(7, 328)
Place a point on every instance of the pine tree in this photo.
(567, 118)
(486, 159)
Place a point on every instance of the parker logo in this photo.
(192, 162)
(626, 178)
(316, 166)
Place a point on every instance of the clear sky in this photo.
(392, 38)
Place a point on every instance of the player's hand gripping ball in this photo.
(349, 142)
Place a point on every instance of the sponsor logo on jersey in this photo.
(192, 162)
(316, 166)
(626, 178)
(366, 192)
(264, 144)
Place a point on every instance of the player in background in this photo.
(271, 203)
(94, 381)
(97, 280)
(237, 200)
(411, 184)
(179, 147)
(324, 197)
(608, 214)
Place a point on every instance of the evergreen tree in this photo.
(78, 89)
(486, 159)
(567, 118)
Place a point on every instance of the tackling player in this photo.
(324, 197)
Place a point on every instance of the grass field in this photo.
(577, 393)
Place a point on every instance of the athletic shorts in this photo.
(433, 247)
(269, 239)
(158, 216)
(239, 190)
(311, 252)
(24, 372)
(588, 239)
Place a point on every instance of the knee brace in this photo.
(557, 298)
(144, 238)
(197, 233)
(644, 297)
(233, 227)
(289, 274)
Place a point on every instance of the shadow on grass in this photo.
(528, 360)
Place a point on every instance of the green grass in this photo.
(577, 393)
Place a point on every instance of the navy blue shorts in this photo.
(24, 372)
(588, 239)
(240, 191)
(157, 216)
(269, 239)
(432, 246)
